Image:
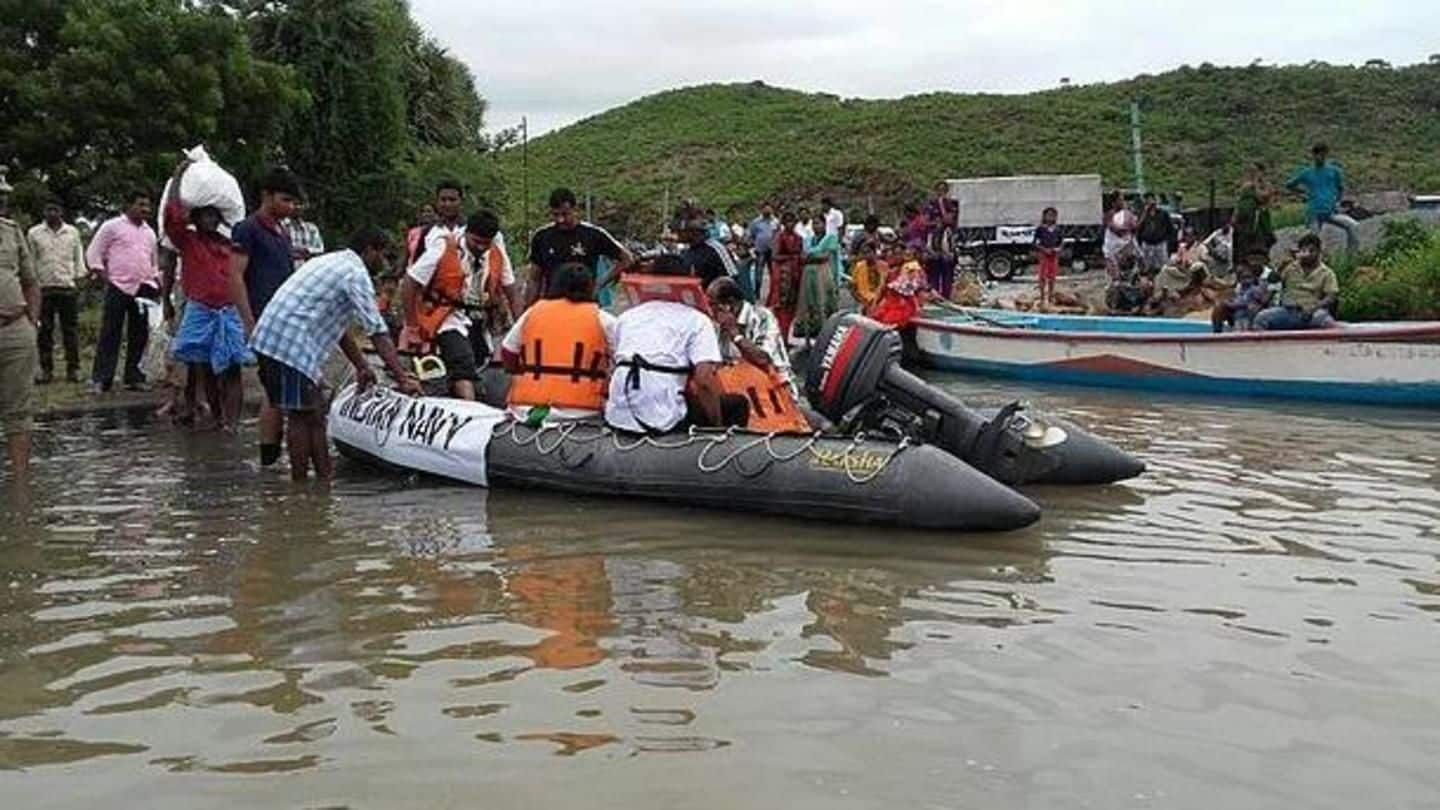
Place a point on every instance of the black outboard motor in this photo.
(856, 381)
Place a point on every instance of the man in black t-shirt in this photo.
(705, 258)
(567, 240)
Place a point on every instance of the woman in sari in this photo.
(818, 285)
(1253, 232)
(787, 264)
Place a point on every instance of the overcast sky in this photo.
(558, 62)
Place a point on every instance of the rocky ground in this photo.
(1333, 238)
(1076, 292)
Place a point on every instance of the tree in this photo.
(106, 92)
(388, 101)
(349, 148)
(442, 107)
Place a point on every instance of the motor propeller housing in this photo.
(855, 379)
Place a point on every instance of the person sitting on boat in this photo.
(1180, 286)
(905, 291)
(757, 366)
(559, 351)
(1252, 293)
(667, 357)
(1130, 289)
(1218, 254)
(868, 275)
(1309, 292)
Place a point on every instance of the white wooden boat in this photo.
(1379, 363)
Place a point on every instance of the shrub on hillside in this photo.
(1400, 280)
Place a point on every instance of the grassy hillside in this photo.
(732, 145)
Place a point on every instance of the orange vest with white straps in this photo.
(564, 357)
(493, 288)
(772, 406)
(428, 310)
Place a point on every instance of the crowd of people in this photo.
(1156, 264)
(265, 293)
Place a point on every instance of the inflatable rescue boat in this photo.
(897, 451)
(856, 479)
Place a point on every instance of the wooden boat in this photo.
(1375, 363)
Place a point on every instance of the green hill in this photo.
(732, 145)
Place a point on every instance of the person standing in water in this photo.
(307, 317)
(211, 336)
(19, 309)
(261, 263)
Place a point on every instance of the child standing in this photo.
(1047, 244)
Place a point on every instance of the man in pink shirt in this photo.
(123, 255)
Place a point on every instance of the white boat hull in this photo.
(1395, 364)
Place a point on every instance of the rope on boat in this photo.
(565, 434)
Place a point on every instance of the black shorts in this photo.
(288, 389)
(458, 355)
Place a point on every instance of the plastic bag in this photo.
(157, 349)
(206, 183)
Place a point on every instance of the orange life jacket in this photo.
(772, 405)
(494, 274)
(687, 290)
(428, 310)
(564, 357)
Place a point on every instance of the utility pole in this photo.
(525, 181)
(1135, 146)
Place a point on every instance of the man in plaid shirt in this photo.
(305, 240)
(309, 314)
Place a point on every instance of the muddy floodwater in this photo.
(1255, 623)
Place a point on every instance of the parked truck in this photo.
(998, 216)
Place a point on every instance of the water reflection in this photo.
(168, 608)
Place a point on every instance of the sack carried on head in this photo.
(206, 183)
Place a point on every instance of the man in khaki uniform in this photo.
(19, 309)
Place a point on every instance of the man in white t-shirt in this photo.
(661, 349)
(834, 218)
(802, 226)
